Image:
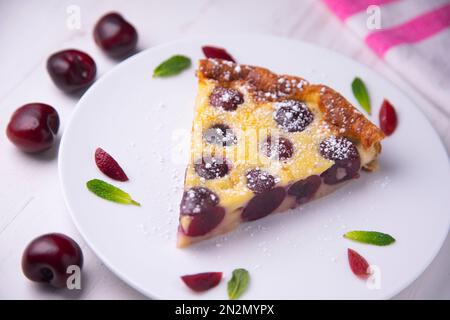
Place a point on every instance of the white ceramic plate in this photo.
(145, 123)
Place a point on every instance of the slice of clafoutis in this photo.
(264, 143)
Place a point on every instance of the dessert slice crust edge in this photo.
(330, 142)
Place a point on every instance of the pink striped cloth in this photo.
(411, 35)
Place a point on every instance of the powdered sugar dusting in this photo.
(337, 148)
(292, 115)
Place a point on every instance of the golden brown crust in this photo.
(344, 117)
(264, 85)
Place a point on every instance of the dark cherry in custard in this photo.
(293, 115)
(226, 98)
(263, 204)
(211, 167)
(281, 148)
(347, 161)
(305, 189)
(220, 134)
(259, 181)
(201, 205)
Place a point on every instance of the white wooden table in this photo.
(31, 202)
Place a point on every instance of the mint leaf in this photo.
(360, 92)
(238, 283)
(172, 66)
(370, 237)
(109, 192)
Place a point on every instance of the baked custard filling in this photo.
(263, 143)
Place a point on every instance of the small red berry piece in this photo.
(358, 264)
(202, 281)
(115, 35)
(388, 118)
(217, 53)
(109, 166)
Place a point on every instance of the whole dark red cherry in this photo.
(47, 258)
(115, 35)
(33, 127)
(71, 70)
